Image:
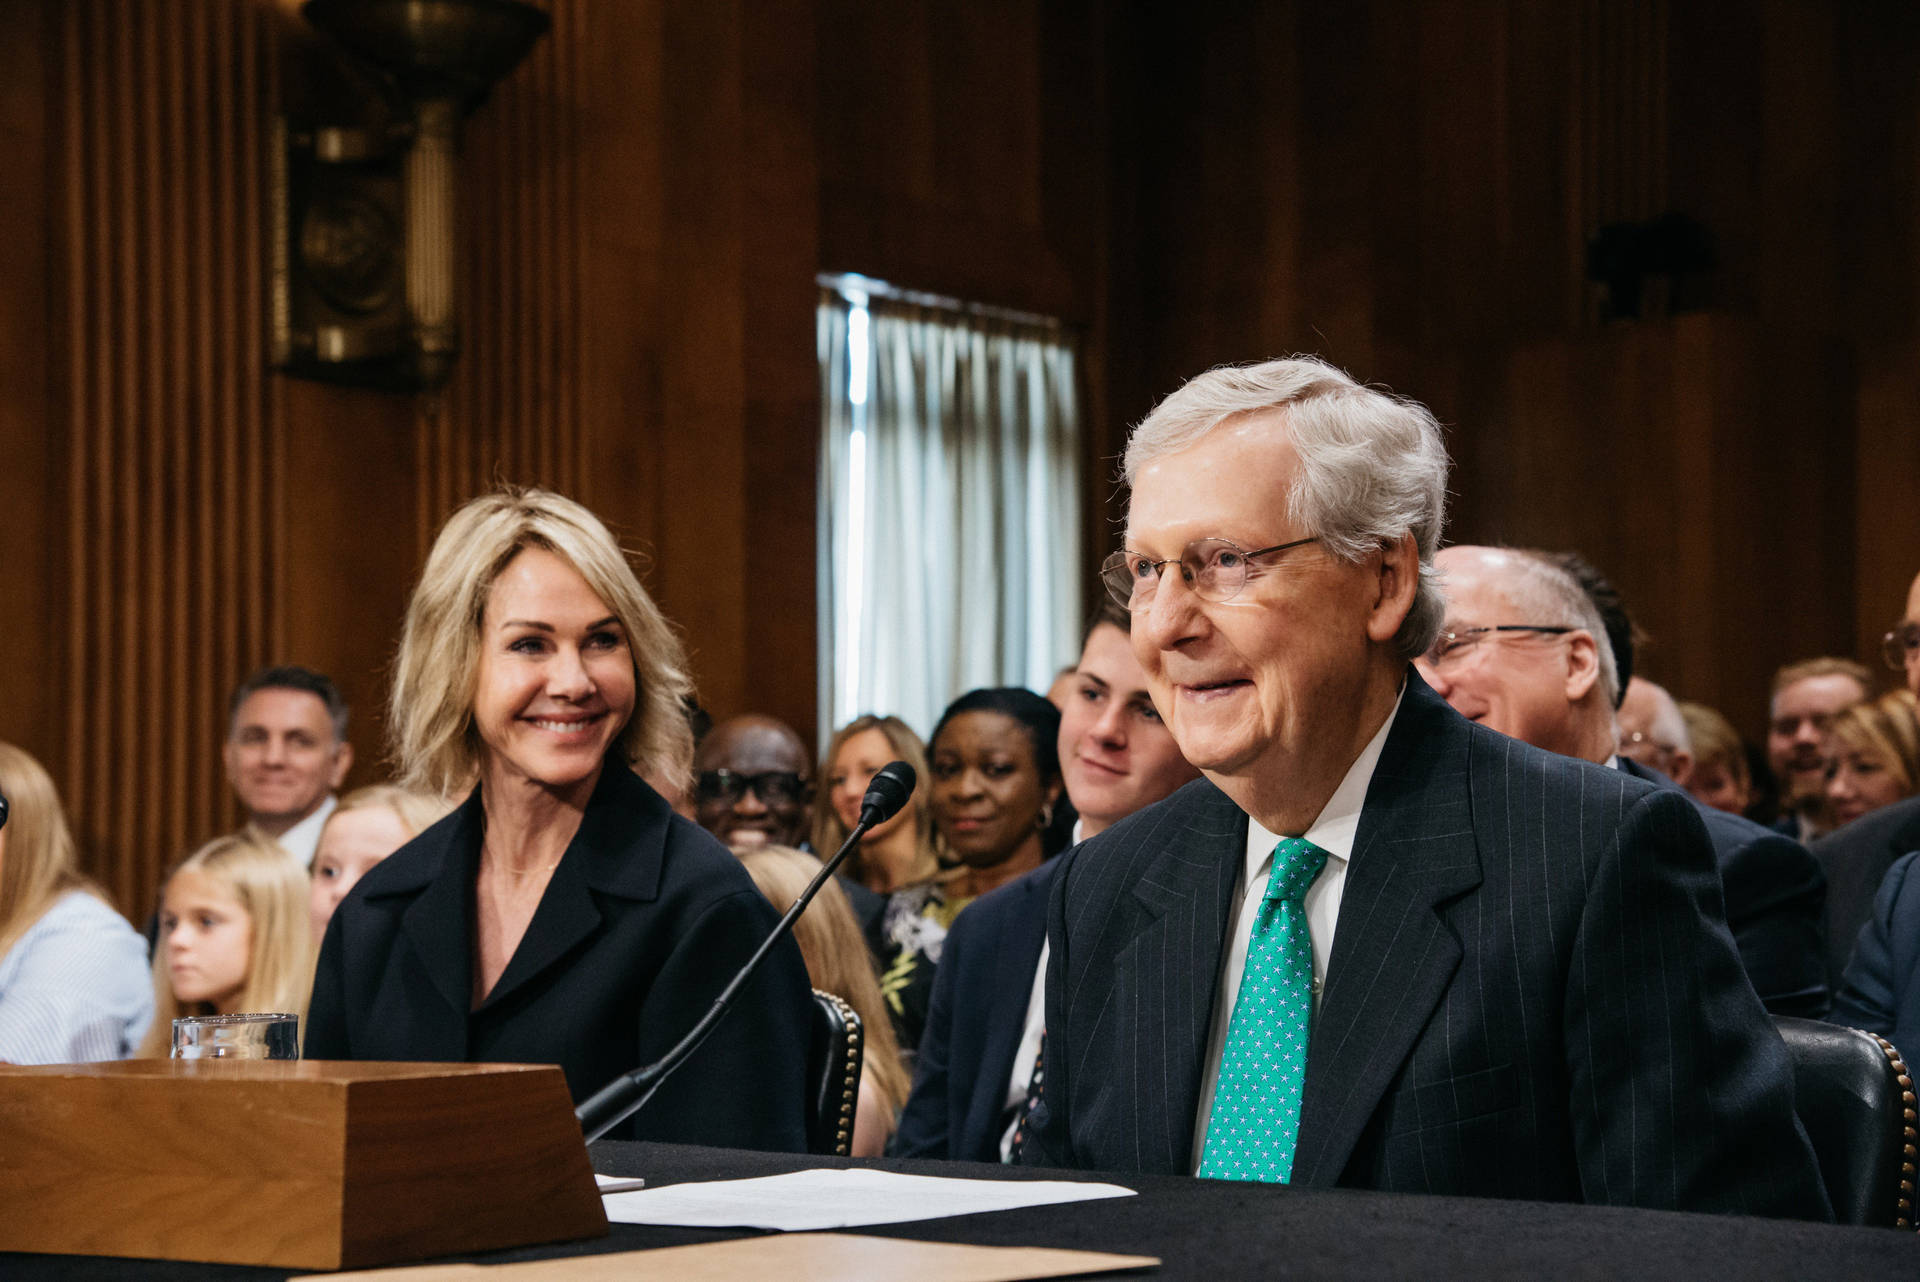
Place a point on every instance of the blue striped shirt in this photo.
(75, 987)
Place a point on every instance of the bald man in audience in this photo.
(1652, 731)
(982, 1043)
(753, 782)
(1858, 856)
(1807, 696)
(1546, 674)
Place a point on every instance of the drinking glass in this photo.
(244, 1036)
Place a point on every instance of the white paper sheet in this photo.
(833, 1199)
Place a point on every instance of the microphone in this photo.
(627, 1094)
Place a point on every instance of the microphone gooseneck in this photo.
(627, 1094)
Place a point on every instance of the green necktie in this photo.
(1256, 1105)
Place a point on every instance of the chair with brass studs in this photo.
(1855, 1097)
(837, 1047)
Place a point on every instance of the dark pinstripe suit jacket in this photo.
(1532, 991)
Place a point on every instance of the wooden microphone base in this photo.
(300, 1165)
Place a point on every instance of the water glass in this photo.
(244, 1036)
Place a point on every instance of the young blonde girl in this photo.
(233, 936)
(838, 963)
(368, 825)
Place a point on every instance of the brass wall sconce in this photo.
(364, 217)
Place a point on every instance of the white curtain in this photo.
(950, 506)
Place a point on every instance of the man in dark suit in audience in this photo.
(1556, 689)
(981, 1048)
(1857, 856)
(1378, 946)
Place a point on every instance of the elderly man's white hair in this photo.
(1551, 596)
(1372, 466)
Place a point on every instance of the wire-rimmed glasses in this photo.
(1900, 646)
(1216, 570)
(1452, 647)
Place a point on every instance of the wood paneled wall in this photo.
(1405, 188)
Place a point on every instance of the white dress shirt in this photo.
(303, 839)
(1036, 1027)
(1333, 831)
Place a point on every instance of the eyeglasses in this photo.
(1216, 570)
(1631, 739)
(1901, 645)
(1452, 647)
(773, 787)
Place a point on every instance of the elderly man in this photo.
(287, 753)
(753, 782)
(978, 1055)
(1652, 731)
(1806, 698)
(1377, 946)
(1858, 856)
(1548, 676)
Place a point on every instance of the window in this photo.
(949, 549)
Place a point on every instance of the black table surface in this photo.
(1215, 1230)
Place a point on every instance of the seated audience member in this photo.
(838, 963)
(286, 752)
(232, 936)
(1880, 987)
(993, 779)
(982, 1043)
(1652, 731)
(898, 853)
(368, 825)
(1857, 856)
(753, 783)
(564, 914)
(1807, 696)
(73, 974)
(1523, 652)
(1876, 757)
(1378, 946)
(1719, 776)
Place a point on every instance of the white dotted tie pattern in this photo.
(1256, 1105)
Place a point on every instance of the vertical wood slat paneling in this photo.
(512, 410)
(174, 512)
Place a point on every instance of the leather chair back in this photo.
(835, 1051)
(1855, 1098)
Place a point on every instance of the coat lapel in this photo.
(1172, 964)
(439, 925)
(1393, 956)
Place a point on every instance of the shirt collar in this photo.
(1334, 828)
(303, 839)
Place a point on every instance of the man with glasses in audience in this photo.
(1377, 946)
(1857, 856)
(753, 783)
(1524, 652)
(1807, 696)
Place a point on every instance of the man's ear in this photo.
(1396, 581)
(1583, 664)
(1682, 767)
(342, 763)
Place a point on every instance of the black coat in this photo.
(1531, 994)
(644, 921)
(1856, 857)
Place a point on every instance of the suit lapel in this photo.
(1016, 945)
(1393, 956)
(1172, 962)
(439, 926)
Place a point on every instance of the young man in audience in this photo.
(287, 754)
(1857, 856)
(1379, 946)
(1548, 679)
(982, 1042)
(1806, 697)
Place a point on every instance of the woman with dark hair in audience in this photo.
(564, 914)
(73, 973)
(1873, 756)
(993, 781)
(893, 855)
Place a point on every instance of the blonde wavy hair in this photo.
(430, 716)
(417, 811)
(41, 862)
(1888, 730)
(829, 832)
(836, 956)
(272, 888)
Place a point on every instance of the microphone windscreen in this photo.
(887, 793)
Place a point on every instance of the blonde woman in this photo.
(1873, 756)
(73, 973)
(233, 936)
(564, 914)
(838, 963)
(893, 855)
(368, 825)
